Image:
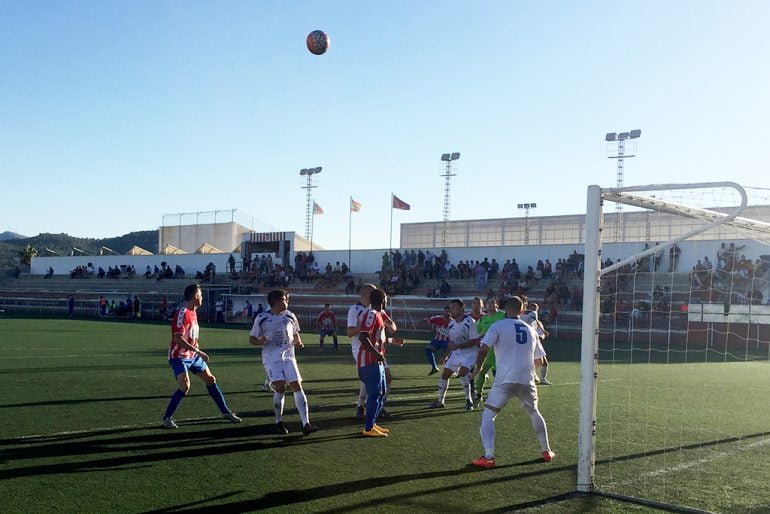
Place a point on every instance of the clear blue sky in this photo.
(113, 113)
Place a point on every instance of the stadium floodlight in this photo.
(309, 172)
(526, 207)
(448, 174)
(626, 147)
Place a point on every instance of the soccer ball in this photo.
(318, 42)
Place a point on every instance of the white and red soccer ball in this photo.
(318, 42)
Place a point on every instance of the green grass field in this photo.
(82, 401)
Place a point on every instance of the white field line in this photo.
(692, 464)
(151, 424)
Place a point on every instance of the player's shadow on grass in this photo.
(148, 448)
(289, 497)
(82, 401)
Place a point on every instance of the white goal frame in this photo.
(589, 356)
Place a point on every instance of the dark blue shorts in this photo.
(325, 333)
(439, 345)
(194, 365)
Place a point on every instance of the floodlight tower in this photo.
(309, 172)
(622, 139)
(526, 207)
(448, 158)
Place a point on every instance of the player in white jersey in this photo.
(516, 355)
(277, 332)
(463, 343)
(531, 317)
(353, 329)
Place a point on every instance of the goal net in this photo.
(675, 362)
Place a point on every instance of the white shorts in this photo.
(501, 393)
(460, 360)
(539, 350)
(286, 370)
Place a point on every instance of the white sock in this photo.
(442, 387)
(541, 431)
(278, 406)
(301, 402)
(362, 395)
(267, 382)
(488, 433)
(543, 372)
(466, 387)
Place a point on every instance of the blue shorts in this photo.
(325, 333)
(439, 345)
(195, 365)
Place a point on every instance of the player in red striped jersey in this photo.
(355, 313)
(184, 354)
(370, 360)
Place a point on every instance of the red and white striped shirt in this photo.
(372, 324)
(184, 322)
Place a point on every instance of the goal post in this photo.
(594, 271)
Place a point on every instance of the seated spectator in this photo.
(101, 273)
(16, 272)
(49, 273)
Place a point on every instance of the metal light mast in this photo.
(621, 138)
(526, 207)
(448, 158)
(309, 172)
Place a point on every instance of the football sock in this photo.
(488, 433)
(362, 395)
(267, 381)
(301, 402)
(335, 343)
(465, 381)
(373, 407)
(431, 358)
(538, 424)
(442, 387)
(278, 406)
(173, 403)
(480, 380)
(219, 398)
(387, 390)
(543, 371)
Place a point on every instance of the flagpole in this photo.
(350, 226)
(391, 223)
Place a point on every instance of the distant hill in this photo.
(7, 236)
(63, 244)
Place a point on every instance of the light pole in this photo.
(526, 207)
(309, 172)
(448, 158)
(622, 138)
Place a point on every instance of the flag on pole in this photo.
(317, 209)
(400, 204)
(354, 206)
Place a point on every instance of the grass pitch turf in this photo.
(82, 401)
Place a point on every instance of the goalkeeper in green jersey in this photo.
(492, 315)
